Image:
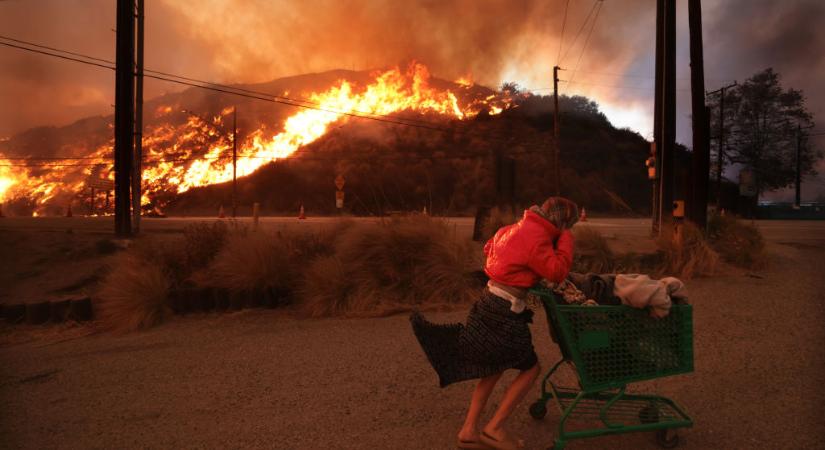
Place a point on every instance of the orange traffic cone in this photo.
(583, 215)
(69, 211)
(221, 213)
(301, 214)
(722, 213)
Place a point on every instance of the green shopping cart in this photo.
(609, 347)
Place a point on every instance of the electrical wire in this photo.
(206, 84)
(563, 23)
(586, 19)
(587, 40)
(254, 94)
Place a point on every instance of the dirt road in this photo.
(263, 379)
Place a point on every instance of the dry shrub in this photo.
(252, 262)
(406, 263)
(167, 253)
(308, 244)
(133, 295)
(737, 242)
(685, 254)
(202, 242)
(592, 252)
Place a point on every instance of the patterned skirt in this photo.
(493, 340)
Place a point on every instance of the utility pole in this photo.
(798, 197)
(657, 115)
(700, 167)
(234, 160)
(124, 113)
(556, 171)
(721, 155)
(666, 92)
(137, 176)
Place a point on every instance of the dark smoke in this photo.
(495, 40)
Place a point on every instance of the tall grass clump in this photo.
(737, 242)
(252, 262)
(202, 242)
(406, 263)
(685, 254)
(592, 252)
(134, 296)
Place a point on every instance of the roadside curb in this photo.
(78, 309)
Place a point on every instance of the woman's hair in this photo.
(560, 211)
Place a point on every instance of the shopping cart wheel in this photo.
(538, 410)
(667, 438)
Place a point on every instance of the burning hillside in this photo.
(183, 150)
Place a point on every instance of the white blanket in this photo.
(641, 291)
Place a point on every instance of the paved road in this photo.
(776, 230)
(264, 379)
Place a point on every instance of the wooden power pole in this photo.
(721, 156)
(137, 176)
(657, 115)
(798, 194)
(124, 113)
(556, 171)
(665, 107)
(700, 167)
(234, 161)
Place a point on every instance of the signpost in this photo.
(99, 184)
(339, 194)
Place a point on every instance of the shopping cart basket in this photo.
(609, 347)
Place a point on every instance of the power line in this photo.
(255, 94)
(111, 65)
(563, 23)
(56, 55)
(207, 84)
(586, 19)
(587, 40)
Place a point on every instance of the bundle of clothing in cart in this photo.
(636, 290)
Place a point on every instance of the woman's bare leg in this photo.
(515, 393)
(469, 432)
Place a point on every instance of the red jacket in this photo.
(522, 253)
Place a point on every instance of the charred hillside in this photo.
(443, 156)
(391, 167)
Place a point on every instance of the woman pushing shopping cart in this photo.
(496, 337)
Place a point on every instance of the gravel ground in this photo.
(263, 379)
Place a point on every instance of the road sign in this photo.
(747, 183)
(339, 199)
(102, 184)
(339, 182)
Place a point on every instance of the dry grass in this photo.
(250, 262)
(592, 252)
(406, 263)
(202, 242)
(737, 242)
(259, 261)
(685, 253)
(133, 296)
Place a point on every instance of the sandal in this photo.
(472, 445)
(504, 444)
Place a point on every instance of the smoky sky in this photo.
(244, 41)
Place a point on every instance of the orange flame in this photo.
(195, 153)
